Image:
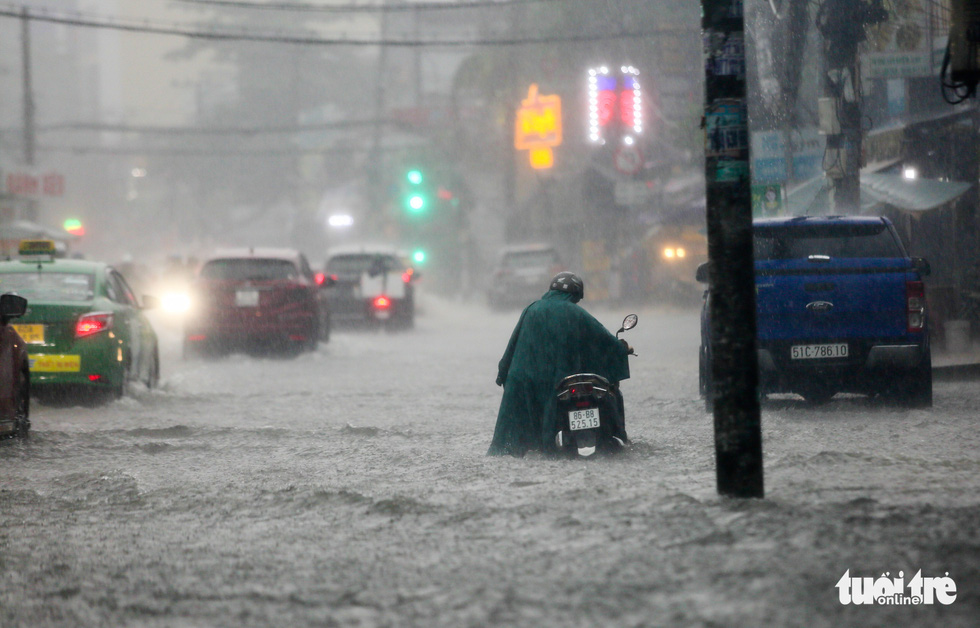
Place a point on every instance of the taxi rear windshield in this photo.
(73, 287)
(841, 240)
(249, 270)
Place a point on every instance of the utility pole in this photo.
(842, 23)
(25, 40)
(374, 171)
(734, 362)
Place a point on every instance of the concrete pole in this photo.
(734, 361)
(29, 111)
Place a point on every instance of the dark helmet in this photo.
(569, 282)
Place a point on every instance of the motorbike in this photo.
(591, 415)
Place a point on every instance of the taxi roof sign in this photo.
(37, 249)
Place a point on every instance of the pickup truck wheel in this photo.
(918, 389)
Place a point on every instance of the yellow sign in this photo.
(31, 334)
(55, 363)
(36, 247)
(542, 158)
(538, 121)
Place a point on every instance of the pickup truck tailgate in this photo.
(807, 300)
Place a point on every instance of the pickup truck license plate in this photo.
(583, 419)
(816, 352)
(247, 298)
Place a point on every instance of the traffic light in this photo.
(74, 226)
(418, 256)
(416, 197)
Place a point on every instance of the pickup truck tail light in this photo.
(915, 298)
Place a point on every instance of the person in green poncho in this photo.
(554, 338)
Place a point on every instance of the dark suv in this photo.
(522, 275)
(255, 297)
(841, 307)
(374, 285)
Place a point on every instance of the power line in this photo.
(211, 151)
(365, 8)
(244, 35)
(173, 130)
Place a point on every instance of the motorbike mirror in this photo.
(701, 274)
(628, 323)
(12, 306)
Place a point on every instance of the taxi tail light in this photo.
(94, 377)
(89, 324)
(915, 298)
(381, 303)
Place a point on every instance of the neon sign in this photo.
(537, 127)
(615, 102)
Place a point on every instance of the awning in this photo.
(26, 230)
(911, 195)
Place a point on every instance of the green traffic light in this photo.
(414, 177)
(418, 256)
(416, 202)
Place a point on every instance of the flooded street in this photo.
(350, 487)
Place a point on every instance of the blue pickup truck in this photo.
(840, 307)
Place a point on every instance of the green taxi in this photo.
(83, 326)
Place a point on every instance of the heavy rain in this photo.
(185, 445)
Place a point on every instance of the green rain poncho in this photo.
(554, 338)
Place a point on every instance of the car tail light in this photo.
(320, 279)
(915, 297)
(381, 303)
(93, 323)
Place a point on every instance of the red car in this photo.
(247, 299)
(15, 377)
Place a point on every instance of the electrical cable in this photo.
(364, 8)
(245, 35)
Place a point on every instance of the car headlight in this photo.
(176, 302)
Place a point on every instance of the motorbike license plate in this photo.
(816, 352)
(585, 419)
(247, 298)
(32, 334)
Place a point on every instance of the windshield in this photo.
(360, 263)
(43, 286)
(832, 240)
(249, 270)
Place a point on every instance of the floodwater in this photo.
(350, 487)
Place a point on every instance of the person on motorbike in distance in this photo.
(554, 338)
